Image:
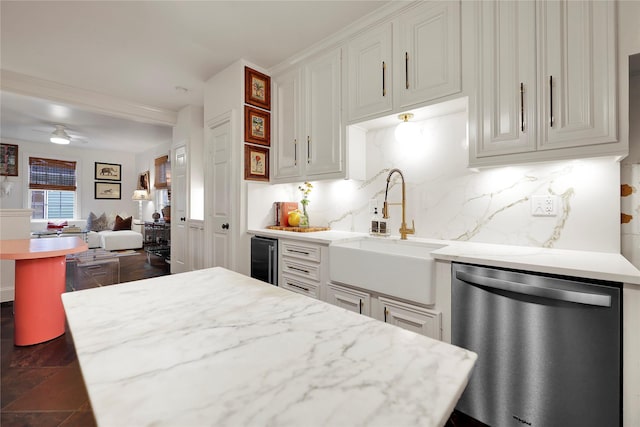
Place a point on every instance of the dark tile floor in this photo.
(41, 385)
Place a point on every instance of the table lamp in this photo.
(140, 196)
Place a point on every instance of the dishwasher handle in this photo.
(600, 300)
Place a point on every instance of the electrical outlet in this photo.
(373, 204)
(544, 205)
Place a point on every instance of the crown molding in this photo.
(21, 84)
(382, 14)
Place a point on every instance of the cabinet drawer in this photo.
(300, 287)
(349, 299)
(300, 250)
(301, 269)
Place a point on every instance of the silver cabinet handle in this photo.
(600, 300)
(302, 270)
(299, 287)
(270, 265)
(298, 252)
(308, 149)
(384, 68)
(551, 118)
(522, 107)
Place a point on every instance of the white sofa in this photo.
(107, 239)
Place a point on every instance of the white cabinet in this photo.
(577, 73)
(411, 317)
(427, 57)
(307, 134)
(547, 82)
(287, 108)
(349, 299)
(301, 268)
(370, 73)
(420, 65)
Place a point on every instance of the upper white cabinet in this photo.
(307, 131)
(370, 73)
(577, 73)
(410, 61)
(546, 82)
(427, 53)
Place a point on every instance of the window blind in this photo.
(51, 174)
(162, 172)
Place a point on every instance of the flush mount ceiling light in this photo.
(406, 131)
(59, 136)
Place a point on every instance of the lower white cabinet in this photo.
(349, 299)
(301, 267)
(420, 320)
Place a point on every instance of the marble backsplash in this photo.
(451, 202)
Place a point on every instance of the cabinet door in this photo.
(179, 210)
(428, 58)
(413, 318)
(577, 81)
(369, 71)
(349, 299)
(507, 80)
(287, 156)
(323, 143)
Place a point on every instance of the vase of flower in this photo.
(305, 189)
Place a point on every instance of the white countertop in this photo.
(586, 264)
(213, 347)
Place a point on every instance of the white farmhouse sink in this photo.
(400, 268)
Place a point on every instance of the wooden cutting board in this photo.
(297, 229)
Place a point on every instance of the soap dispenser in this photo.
(375, 222)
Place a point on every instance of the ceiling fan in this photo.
(61, 135)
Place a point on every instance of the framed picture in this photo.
(108, 171)
(8, 160)
(143, 182)
(257, 89)
(257, 126)
(107, 190)
(256, 163)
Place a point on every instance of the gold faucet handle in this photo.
(412, 230)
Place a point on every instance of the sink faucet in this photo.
(385, 207)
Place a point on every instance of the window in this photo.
(162, 177)
(52, 188)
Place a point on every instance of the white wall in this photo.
(86, 159)
(450, 202)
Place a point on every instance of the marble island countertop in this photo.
(213, 347)
(586, 264)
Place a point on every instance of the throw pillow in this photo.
(56, 225)
(95, 223)
(122, 224)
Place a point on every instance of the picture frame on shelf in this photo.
(107, 190)
(256, 163)
(257, 126)
(108, 171)
(9, 160)
(143, 182)
(257, 89)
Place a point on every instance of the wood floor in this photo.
(42, 384)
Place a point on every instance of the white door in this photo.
(218, 194)
(507, 88)
(428, 57)
(577, 81)
(323, 145)
(287, 155)
(179, 234)
(370, 73)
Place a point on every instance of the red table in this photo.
(40, 280)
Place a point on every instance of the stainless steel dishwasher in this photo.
(549, 347)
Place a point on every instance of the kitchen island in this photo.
(213, 347)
